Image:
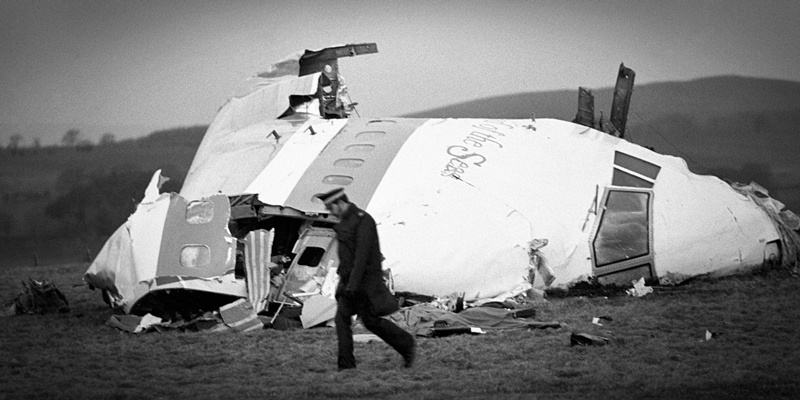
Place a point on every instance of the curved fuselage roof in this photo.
(457, 201)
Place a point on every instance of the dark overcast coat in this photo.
(360, 260)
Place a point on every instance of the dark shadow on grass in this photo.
(588, 289)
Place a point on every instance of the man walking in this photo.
(361, 290)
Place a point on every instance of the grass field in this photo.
(659, 350)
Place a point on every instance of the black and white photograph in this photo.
(510, 199)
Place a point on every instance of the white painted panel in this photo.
(277, 180)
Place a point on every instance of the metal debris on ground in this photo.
(38, 297)
(586, 339)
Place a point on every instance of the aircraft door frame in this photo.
(620, 251)
(316, 255)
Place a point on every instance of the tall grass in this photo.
(658, 350)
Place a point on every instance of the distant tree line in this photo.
(72, 138)
(15, 144)
(189, 136)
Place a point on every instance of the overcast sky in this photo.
(133, 66)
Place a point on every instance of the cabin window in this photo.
(623, 232)
(199, 212)
(341, 180)
(348, 162)
(195, 256)
(311, 256)
(370, 135)
(633, 172)
(359, 148)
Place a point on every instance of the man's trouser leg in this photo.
(389, 332)
(344, 333)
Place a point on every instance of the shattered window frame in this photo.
(637, 259)
(311, 256)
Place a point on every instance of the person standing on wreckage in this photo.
(361, 290)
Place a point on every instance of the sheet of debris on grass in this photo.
(704, 338)
(424, 316)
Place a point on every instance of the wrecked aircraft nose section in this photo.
(481, 207)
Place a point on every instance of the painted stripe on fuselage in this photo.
(356, 159)
(279, 178)
(202, 231)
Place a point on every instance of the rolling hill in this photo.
(737, 128)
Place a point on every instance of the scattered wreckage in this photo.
(36, 297)
(489, 209)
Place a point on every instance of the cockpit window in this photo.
(623, 232)
(633, 172)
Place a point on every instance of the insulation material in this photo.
(258, 250)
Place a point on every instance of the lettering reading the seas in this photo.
(462, 157)
(456, 166)
(477, 139)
